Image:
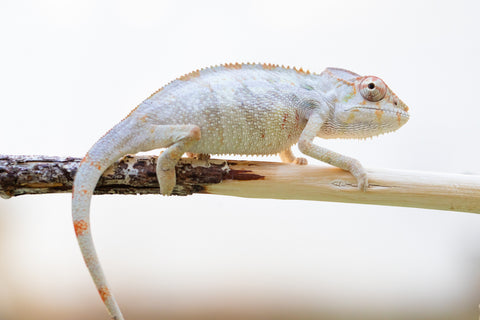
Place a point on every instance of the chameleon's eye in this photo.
(373, 89)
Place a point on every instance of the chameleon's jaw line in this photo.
(393, 111)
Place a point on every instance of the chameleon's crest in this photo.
(343, 75)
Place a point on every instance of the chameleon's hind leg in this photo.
(178, 139)
(287, 156)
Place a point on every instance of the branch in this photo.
(21, 175)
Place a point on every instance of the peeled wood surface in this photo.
(253, 179)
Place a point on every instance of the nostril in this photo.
(395, 101)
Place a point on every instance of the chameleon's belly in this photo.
(269, 138)
(267, 132)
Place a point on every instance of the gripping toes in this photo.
(357, 170)
(287, 156)
(362, 182)
(300, 161)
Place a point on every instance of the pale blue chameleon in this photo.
(248, 109)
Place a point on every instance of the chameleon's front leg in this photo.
(306, 146)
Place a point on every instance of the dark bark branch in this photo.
(21, 175)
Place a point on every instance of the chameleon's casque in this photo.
(238, 109)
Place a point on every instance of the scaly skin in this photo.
(252, 109)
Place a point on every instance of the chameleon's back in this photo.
(240, 109)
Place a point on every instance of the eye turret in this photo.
(373, 89)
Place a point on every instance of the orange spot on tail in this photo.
(81, 226)
(85, 159)
(96, 164)
(104, 293)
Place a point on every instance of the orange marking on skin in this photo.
(83, 191)
(92, 163)
(96, 164)
(340, 79)
(269, 66)
(104, 293)
(154, 93)
(379, 113)
(190, 75)
(85, 159)
(301, 71)
(399, 118)
(263, 135)
(297, 119)
(80, 226)
(131, 112)
(144, 118)
(351, 116)
(233, 66)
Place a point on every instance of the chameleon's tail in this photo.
(106, 151)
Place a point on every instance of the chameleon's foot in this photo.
(300, 161)
(166, 180)
(357, 170)
(362, 183)
(287, 156)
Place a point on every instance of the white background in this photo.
(71, 70)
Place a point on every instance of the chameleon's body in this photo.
(238, 109)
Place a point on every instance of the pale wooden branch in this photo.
(21, 175)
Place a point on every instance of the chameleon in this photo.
(245, 109)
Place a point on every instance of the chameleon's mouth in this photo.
(394, 111)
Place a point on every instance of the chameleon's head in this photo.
(361, 106)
